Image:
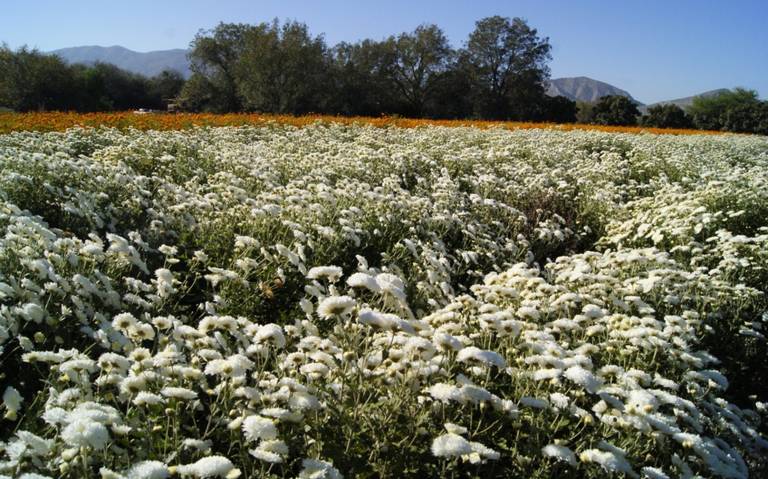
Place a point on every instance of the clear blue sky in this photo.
(654, 49)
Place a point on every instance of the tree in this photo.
(729, 110)
(414, 61)
(451, 94)
(34, 81)
(749, 117)
(359, 82)
(585, 112)
(615, 110)
(558, 109)
(666, 116)
(283, 69)
(213, 56)
(508, 64)
(165, 87)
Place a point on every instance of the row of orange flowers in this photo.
(59, 121)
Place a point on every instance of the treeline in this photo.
(738, 110)
(283, 68)
(33, 81)
(499, 74)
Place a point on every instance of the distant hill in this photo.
(584, 89)
(148, 63)
(688, 101)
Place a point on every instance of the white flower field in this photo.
(350, 301)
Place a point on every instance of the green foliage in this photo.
(666, 116)
(615, 110)
(415, 62)
(282, 69)
(558, 109)
(213, 56)
(507, 62)
(36, 81)
(585, 112)
(737, 110)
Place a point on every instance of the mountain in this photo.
(688, 101)
(145, 63)
(584, 89)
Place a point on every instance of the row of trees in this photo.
(737, 110)
(282, 68)
(31, 80)
(499, 74)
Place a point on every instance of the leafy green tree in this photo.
(451, 94)
(666, 116)
(508, 65)
(749, 117)
(615, 110)
(165, 87)
(360, 85)
(31, 80)
(283, 69)
(737, 110)
(557, 109)
(585, 112)
(413, 61)
(214, 56)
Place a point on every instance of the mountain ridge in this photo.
(145, 63)
(687, 101)
(583, 88)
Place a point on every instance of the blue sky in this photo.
(656, 50)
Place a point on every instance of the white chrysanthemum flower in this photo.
(384, 321)
(257, 427)
(488, 358)
(592, 311)
(145, 398)
(335, 306)
(392, 285)
(653, 473)
(303, 401)
(559, 453)
(148, 470)
(450, 445)
(559, 401)
(165, 282)
(317, 469)
(37, 444)
(33, 312)
(641, 402)
(445, 342)
(583, 378)
(481, 452)
(528, 312)
(445, 392)
(12, 400)
(124, 322)
(179, 393)
(272, 451)
(211, 466)
(364, 280)
(271, 332)
(608, 460)
(331, 273)
(86, 433)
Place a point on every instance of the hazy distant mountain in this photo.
(688, 101)
(148, 63)
(584, 89)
